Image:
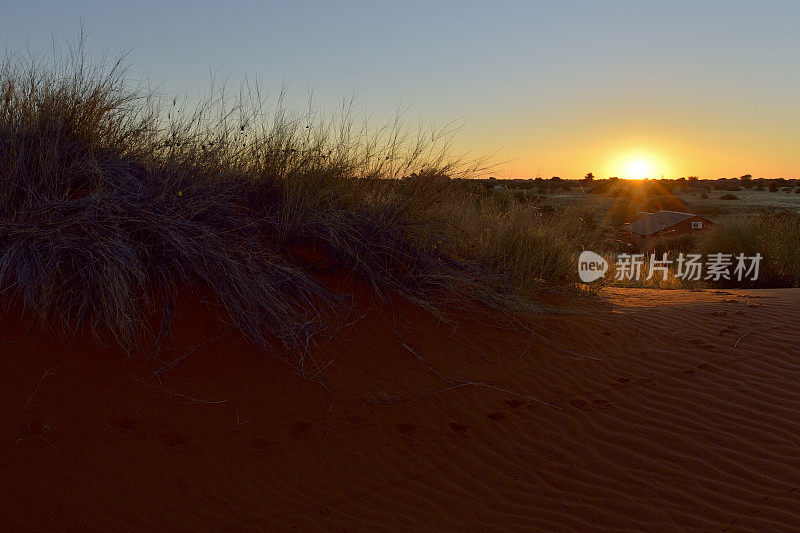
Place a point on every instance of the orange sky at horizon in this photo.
(697, 146)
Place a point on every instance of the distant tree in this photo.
(694, 179)
(589, 177)
(747, 181)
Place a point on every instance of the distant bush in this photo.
(728, 197)
(621, 211)
(664, 203)
(600, 187)
(704, 195)
(522, 196)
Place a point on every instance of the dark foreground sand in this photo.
(676, 427)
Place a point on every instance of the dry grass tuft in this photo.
(112, 197)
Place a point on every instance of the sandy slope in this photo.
(422, 425)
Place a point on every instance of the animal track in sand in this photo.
(124, 421)
(578, 403)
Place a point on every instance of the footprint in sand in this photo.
(124, 422)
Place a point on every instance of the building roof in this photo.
(651, 223)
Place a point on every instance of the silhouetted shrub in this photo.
(112, 199)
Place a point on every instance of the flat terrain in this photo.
(748, 201)
(685, 418)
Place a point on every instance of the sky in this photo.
(617, 88)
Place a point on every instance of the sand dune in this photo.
(654, 410)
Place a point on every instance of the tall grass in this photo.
(775, 236)
(112, 197)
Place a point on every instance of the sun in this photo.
(638, 164)
(639, 169)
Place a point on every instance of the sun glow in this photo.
(639, 169)
(638, 165)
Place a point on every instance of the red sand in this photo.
(675, 428)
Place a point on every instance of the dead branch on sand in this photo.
(753, 332)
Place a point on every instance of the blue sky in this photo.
(562, 87)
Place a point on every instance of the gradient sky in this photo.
(707, 88)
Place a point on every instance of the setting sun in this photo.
(639, 169)
(638, 164)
